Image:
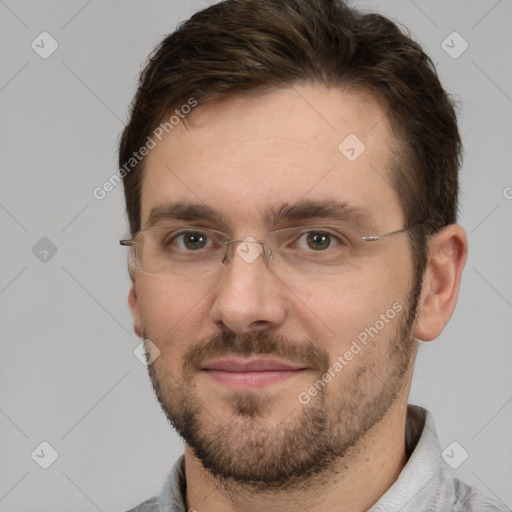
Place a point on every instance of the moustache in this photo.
(254, 343)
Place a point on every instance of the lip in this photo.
(249, 374)
(231, 364)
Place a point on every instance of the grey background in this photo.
(68, 373)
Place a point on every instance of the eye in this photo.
(317, 240)
(189, 240)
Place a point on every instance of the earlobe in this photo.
(441, 282)
(133, 302)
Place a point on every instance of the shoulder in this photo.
(150, 505)
(471, 499)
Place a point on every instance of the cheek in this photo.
(363, 306)
(171, 316)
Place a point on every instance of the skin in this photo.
(238, 155)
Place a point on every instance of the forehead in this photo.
(241, 154)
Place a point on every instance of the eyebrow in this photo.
(329, 210)
(183, 211)
(274, 215)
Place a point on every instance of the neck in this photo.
(354, 483)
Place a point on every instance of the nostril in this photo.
(260, 324)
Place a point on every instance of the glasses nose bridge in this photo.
(249, 253)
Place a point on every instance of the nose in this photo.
(249, 296)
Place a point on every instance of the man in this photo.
(291, 180)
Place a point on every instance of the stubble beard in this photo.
(254, 451)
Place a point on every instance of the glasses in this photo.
(193, 252)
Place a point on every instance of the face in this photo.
(272, 377)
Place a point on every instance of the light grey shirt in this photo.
(425, 483)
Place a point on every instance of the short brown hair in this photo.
(237, 46)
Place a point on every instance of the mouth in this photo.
(250, 374)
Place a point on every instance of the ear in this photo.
(446, 259)
(133, 302)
